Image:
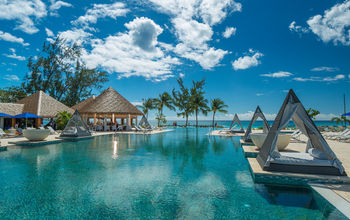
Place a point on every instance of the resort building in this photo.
(38, 103)
(108, 107)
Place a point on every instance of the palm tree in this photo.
(313, 113)
(147, 105)
(164, 100)
(182, 100)
(217, 105)
(339, 120)
(62, 119)
(198, 101)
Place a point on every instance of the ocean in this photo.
(227, 123)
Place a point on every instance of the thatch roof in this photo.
(83, 103)
(11, 109)
(43, 105)
(108, 102)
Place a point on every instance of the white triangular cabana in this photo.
(319, 157)
(75, 127)
(236, 121)
(257, 114)
(144, 123)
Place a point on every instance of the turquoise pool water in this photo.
(182, 174)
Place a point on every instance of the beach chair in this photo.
(296, 135)
(340, 135)
(52, 131)
(2, 133)
(228, 130)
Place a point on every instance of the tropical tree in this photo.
(147, 105)
(62, 119)
(182, 100)
(341, 119)
(164, 100)
(312, 113)
(58, 71)
(217, 105)
(336, 120)
(198, 101)
(12, 94)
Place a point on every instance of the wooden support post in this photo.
(129, 120)
(37, 122)
(13, 122)
(95, 119)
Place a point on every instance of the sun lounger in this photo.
(228, 130)
(52, 131)
(340, 135)
(2, 133)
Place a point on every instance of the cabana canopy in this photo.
(3, 115)
(27, 115)
(319, 157)
(144, 123)
(236, 120)
(257, 114)
(75, 127)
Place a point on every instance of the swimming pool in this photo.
(182, 174)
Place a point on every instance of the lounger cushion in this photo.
(317, 154)
(301, 159)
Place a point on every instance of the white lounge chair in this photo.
(52, 131)
(228, 130)
(2, 133)
(340, 135)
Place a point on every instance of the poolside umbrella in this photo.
(346, 114)
(3, 115)
(26, 116)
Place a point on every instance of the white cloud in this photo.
(144, 33)
(325, 68)
(193, 21)
(23, 12)
(11, 78)
(13, 55)
(349, 76)
(206, 57)
(320, 79)
(229, 31)
(259, 94)
(56, 5)
(49, 33)
(182, 75)
(247, 61)
(10, 38)
(78, 36)
(129, 54)
(248, 116)
(326, 117)
(297, 28)
(333, 25)
(214, 11)
(280, 74)
(114, 10)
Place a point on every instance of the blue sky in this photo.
(250, 52)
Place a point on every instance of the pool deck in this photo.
(336, 189)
